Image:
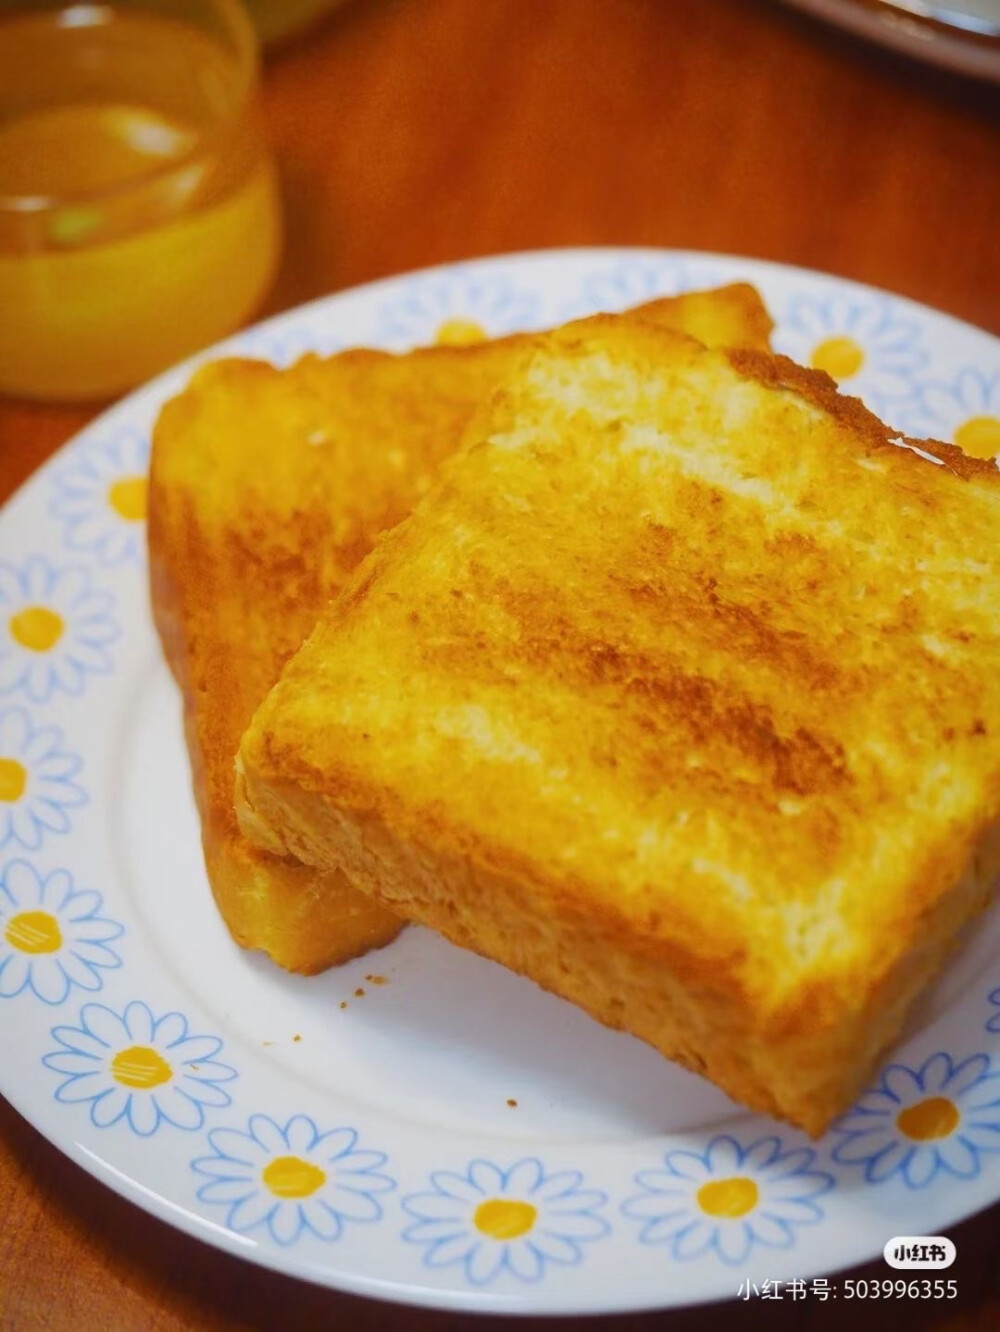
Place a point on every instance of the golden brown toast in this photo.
(680, 694)
(267, 487)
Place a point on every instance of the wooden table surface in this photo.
(415, 131)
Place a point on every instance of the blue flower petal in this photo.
(896, 1156)
(964, 1077)
(690, 1242)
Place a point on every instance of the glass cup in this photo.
(277, 19)
(139, 218)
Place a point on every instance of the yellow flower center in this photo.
(291, 1177)
(731, 1197)
(504, 1218)
(934, 1118)
(840, 357)
(13, 780)
(34, 932)
(979, 436)
(127, 496)
(140, 1066)
(459, 333)
(36, 628)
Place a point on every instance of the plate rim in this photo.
(64, 1138)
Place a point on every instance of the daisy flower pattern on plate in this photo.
(993, 1021)
(292, 1178)
(492, 1220)
(54, 630)
(143, 1070)
(101, 498)
(728, 1198)
(871, 352)
(966, 412)
(923, 1122)
(36, 781)
(634, 282)
(283, 348)
(456, 309)
(52, 937)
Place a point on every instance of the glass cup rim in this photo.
(247, 55)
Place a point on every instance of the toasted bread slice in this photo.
(267, 487)
(680, 695)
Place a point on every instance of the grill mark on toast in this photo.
(716, 718)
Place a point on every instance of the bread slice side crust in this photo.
(803, 1064)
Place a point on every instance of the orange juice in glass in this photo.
(138, 211)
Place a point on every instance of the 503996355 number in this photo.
(888, 1288)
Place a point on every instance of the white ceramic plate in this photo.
(453, 1137)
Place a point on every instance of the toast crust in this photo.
(267, 488)
(804, 1063)
(681, 695)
